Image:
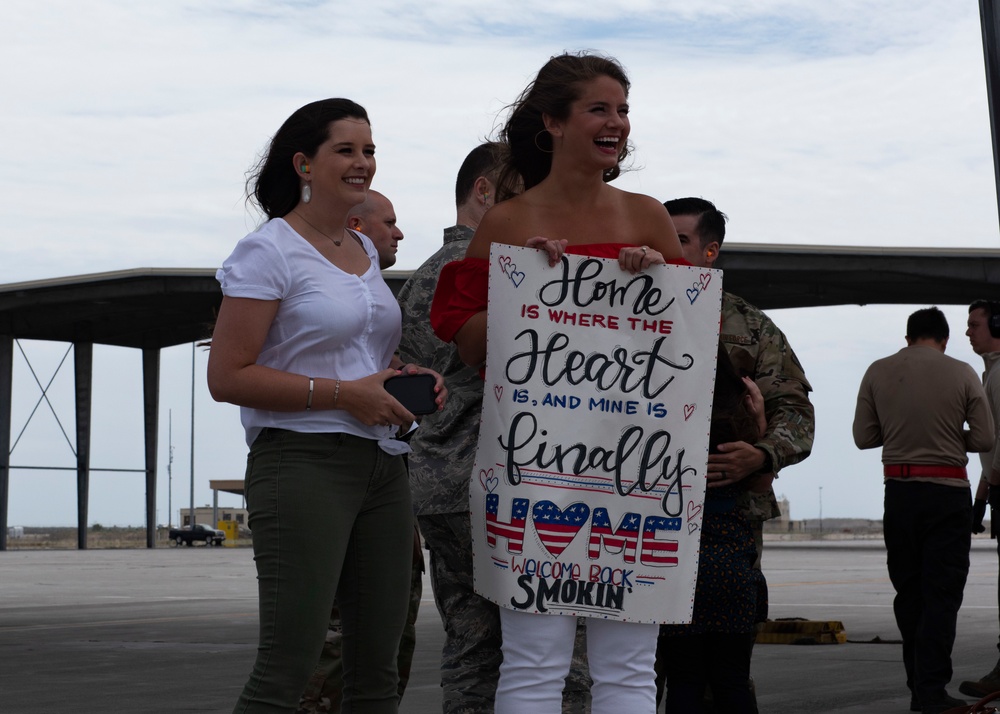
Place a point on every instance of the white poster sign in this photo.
(589, 482)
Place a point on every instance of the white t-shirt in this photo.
(329, 324)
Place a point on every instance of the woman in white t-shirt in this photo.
(304, 342)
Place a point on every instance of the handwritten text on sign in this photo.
(590, 475)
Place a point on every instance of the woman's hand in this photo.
(740, 459)
(367, 401)
(639, 257)
(439, 389)
(754, 402)
(555, 248)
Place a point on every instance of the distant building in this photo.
(820, 527)
(783, 523)
(204, 515)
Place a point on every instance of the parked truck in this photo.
(188, 535)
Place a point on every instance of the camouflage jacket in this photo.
(760, 351)
(444, 447)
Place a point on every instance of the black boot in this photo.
(981, 687)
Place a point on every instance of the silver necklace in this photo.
(335, 241)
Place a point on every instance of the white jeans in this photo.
(537, 650)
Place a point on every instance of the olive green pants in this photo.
(330, 516)
(325, 690)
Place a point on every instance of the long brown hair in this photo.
(731, 420)
(527, 145)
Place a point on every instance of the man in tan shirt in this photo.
(915, 405)
(984, 337)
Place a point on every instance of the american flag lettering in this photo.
(654, 551)
(513, 530)
(615, 540)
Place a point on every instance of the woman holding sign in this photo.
(565, 139)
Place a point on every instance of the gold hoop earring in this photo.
(544, 151)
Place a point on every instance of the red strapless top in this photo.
(463, 285)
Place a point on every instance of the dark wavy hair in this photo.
(273, 184)
(731, 420)
(527, 146)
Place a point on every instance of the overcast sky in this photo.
(126, 130)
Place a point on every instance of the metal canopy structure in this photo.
(773, 276)
(142, 308)
(149, 309)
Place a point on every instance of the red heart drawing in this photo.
(488, 480)
(688, 411)
(556, 527)
(706, 278)
(694, 509)
(498, 390)
(504, 262)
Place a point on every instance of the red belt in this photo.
(926, 470)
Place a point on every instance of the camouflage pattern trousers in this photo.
(471, 656)
(324, 691)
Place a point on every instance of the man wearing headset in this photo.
(984, 336)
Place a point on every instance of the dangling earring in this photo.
(307, 193)
(544, 151)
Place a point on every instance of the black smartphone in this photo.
(414, 391)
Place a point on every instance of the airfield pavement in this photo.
(174, 630)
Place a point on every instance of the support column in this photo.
(83, 364)
(6, 394)
(991, 56)
(151, 411)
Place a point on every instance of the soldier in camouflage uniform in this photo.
(444, 449)
(376, 218)
(758, 350)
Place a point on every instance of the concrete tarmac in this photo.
(175, 630)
